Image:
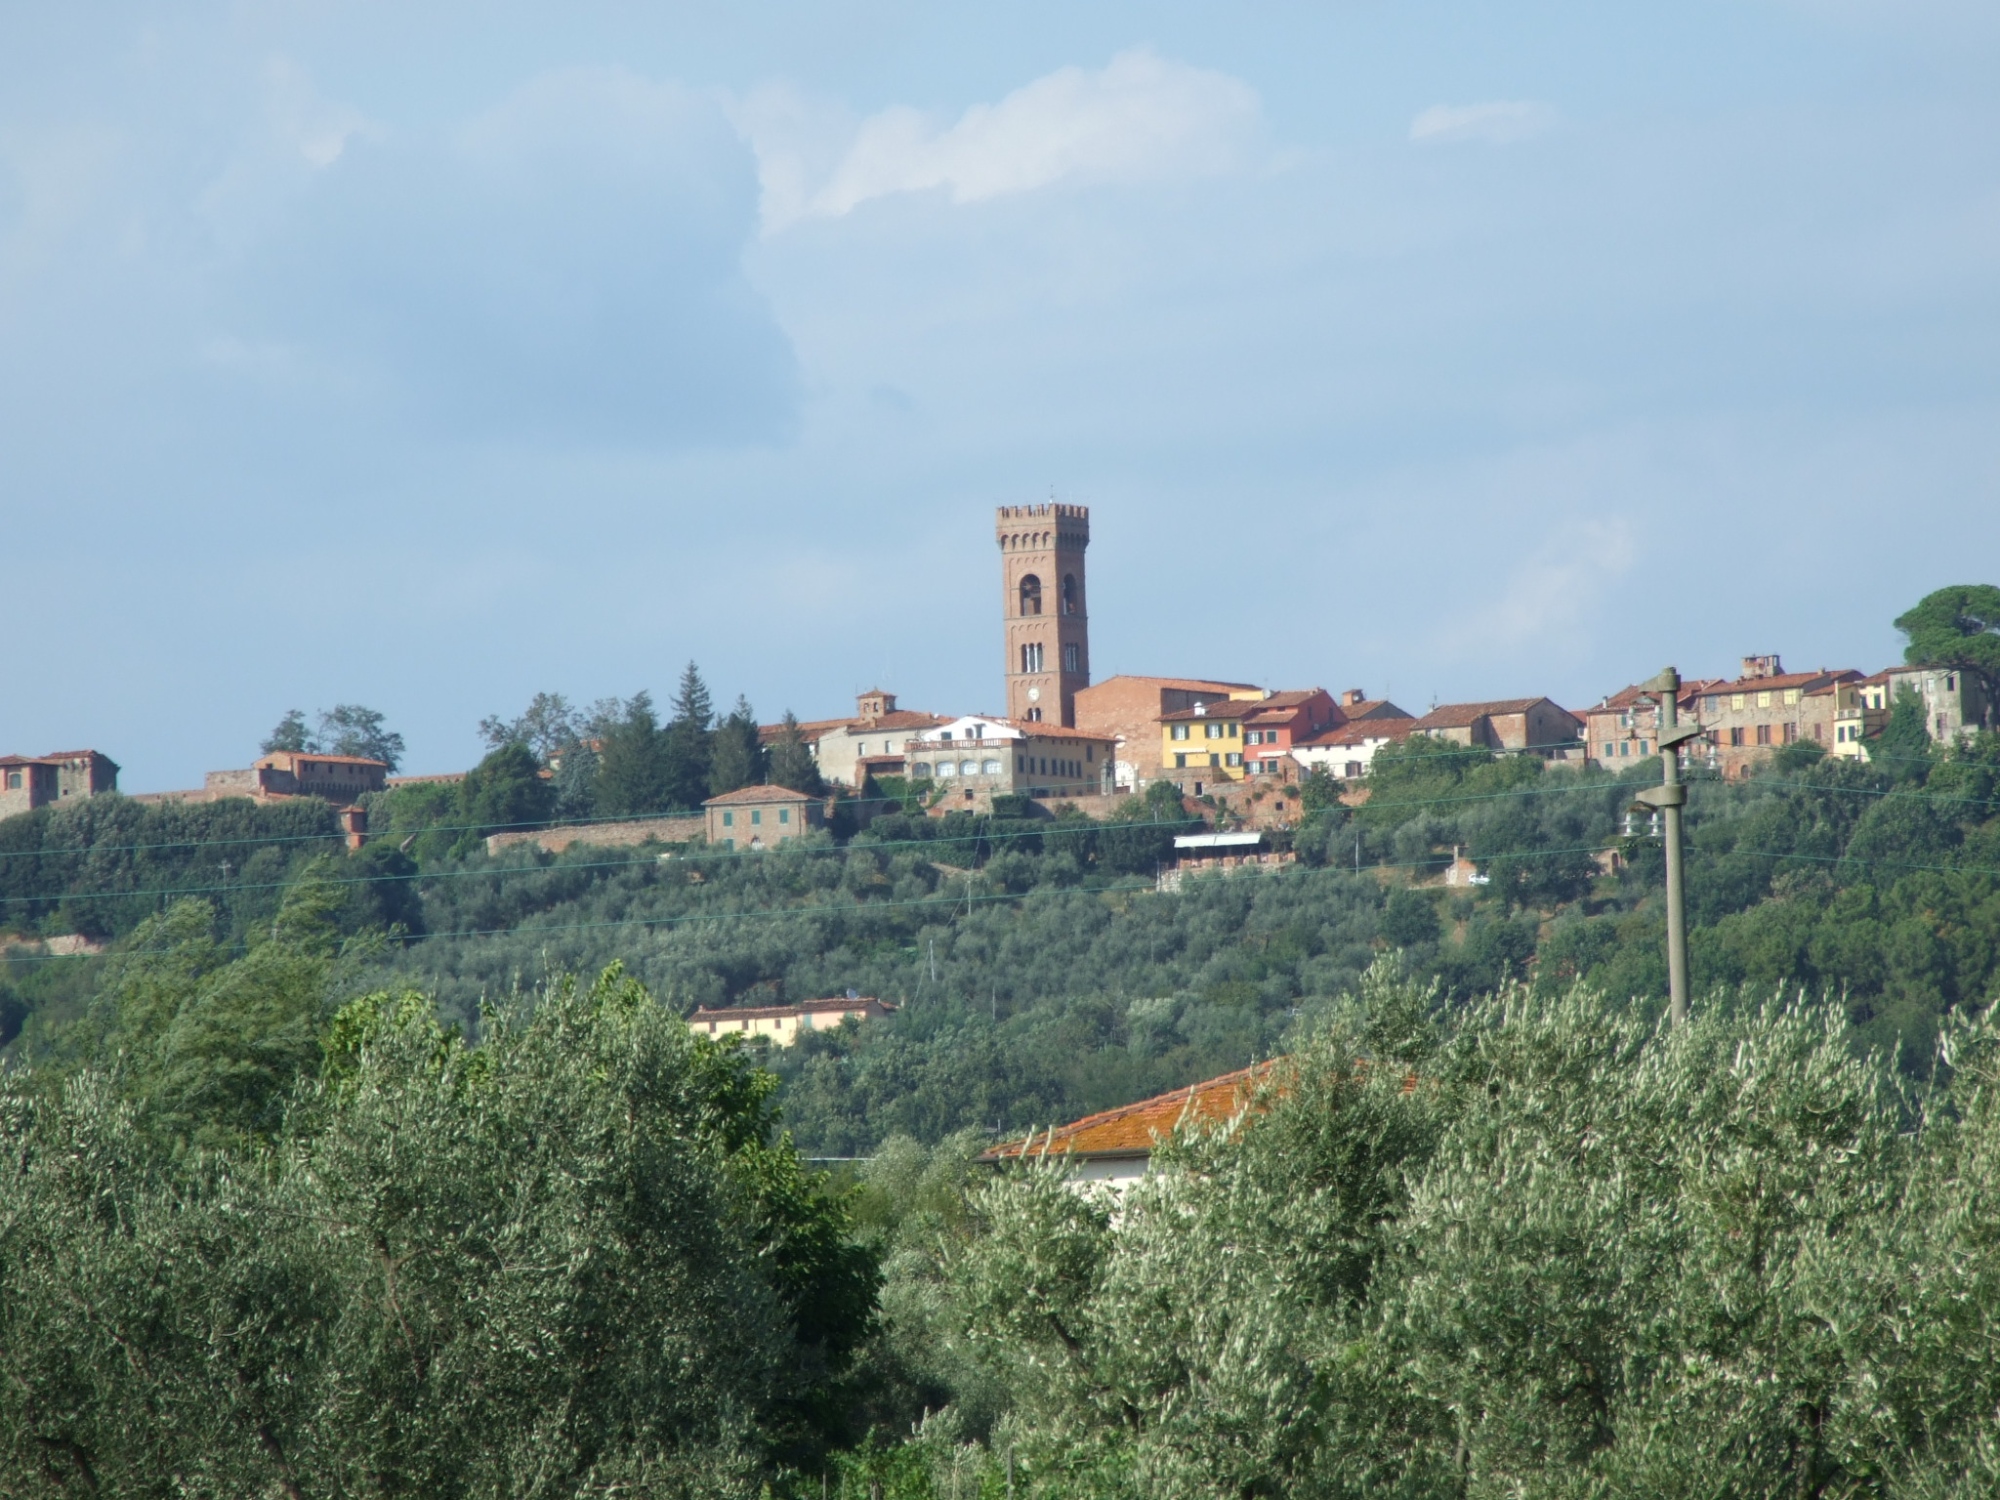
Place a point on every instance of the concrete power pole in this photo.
(1667, 800)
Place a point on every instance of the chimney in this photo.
(1353, 696)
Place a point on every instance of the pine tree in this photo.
(631, 770)
(689, 741)
(738, 758)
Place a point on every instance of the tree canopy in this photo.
(1958, 627)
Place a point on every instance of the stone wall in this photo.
(602, 835)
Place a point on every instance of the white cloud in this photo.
(1500, 122)
(1142, 117)
(1554, 592)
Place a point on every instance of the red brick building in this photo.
(1128, 710)
(31, 781)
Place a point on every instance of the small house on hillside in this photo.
(783, 1023)
(1113, 1149)
(761, 817)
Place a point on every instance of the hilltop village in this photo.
(1237, 751)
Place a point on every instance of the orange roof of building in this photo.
(1371, 708)
(75, 755)
(1134, 1129)
(757, 794)
(1782, 682)
(902, 718)
(1360, 732)
(1183, 684)
(1460, 715)
(809, 730)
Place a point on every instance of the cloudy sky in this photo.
(428, 356)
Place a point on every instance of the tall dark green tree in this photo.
(689, 741)
(792, 764)
(1903, 748)
(738, 756)
(1958, 627)
(632, 767)
(291, 734)
(505, 790)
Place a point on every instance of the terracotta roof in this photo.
(1360, 732)
(1133, 1129)
(758, 794)
(75, 755)
(1222, 708)
(1460, 715)
(1184, 684)
(809, 729)
(773, 1012)
(1372, 708)
(1782, 682)
(902, 718)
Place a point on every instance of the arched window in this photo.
(1031, 595)
(1069, 601)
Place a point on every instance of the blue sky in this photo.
(430, 356)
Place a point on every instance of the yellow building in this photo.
(1204, 744)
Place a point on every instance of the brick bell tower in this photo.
(1043, 604)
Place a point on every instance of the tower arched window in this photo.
(1031, 595)
(1069, 599)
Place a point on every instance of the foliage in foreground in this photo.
(573, 1260)
(1581, 1255)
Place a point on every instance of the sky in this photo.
(430, 356)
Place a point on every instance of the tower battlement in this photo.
(1012, 517)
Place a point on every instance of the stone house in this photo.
(1749, 718)
(761, 817)
(1626, 725)
(848, 751)
(1516, 726)
(976, 757)
(31, 781)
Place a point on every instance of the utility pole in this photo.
(1666, 801)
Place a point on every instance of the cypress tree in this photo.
(791, 760)
(738, 756)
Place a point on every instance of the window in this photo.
(1211, 731)
(1736, 735)
(968, 768)
(1178, 732)
(1609, 750)
(945, 735)
(784, 815)
(1642, 748)
(1180, 762)
(1951, 682)
(1235, 758)
(1791, 695)
(1070, 658)
(921, 771)
(1232, 731)
(13, 781)
(991, 768)
(1353, 769)
(1763, 734)
(1791, 733)
(728, 818)
(1214, 760)
(1763, 700)
(1072, 599)
(946, 770)
(1031, 657)
(1624, 747)
(1034, 716)
(1736, 702)
(757, 815)
(1031, 595)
